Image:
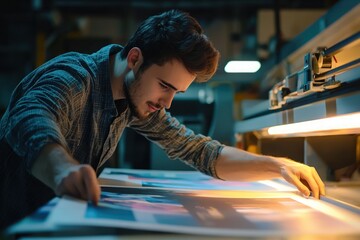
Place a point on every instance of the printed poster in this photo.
(209, 212)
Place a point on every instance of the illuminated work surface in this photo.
(288, 216)
(227, 213)
(347, 192)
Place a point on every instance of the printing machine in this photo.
(318, 80)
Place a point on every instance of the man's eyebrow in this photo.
(170, 85)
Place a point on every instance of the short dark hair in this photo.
(175, 35)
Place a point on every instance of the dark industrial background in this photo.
(33, 31)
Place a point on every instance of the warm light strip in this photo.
(242, 66)
(351, 121)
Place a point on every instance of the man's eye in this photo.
(163, 86)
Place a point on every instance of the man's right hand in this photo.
(58, 170)
(79, 181)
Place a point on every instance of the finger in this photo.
(73, 185)
(81, 188)
(293, 179)
(301, 187)
(67, 187)
(319, 182)
(91, 185)
(311, 182)
(78, 186)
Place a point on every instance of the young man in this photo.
(65, 118)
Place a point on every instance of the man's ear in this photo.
(134, 58)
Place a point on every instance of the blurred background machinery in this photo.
(234, 108)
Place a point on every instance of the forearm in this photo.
(52, 162)
(56, 168)
(237, 165)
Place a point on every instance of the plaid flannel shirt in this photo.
(68, 101)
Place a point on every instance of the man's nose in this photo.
(167, 100)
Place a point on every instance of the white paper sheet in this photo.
(209, 212)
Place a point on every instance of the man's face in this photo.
(156, 87)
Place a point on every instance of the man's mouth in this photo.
(153, 108)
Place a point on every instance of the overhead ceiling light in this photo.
(351, 121)
(242, 66)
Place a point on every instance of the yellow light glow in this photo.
(239, 194)
(242, 66)
(351, 121)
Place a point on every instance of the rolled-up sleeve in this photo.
(180, 142)
(42, 113)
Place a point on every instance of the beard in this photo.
(130, 87)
